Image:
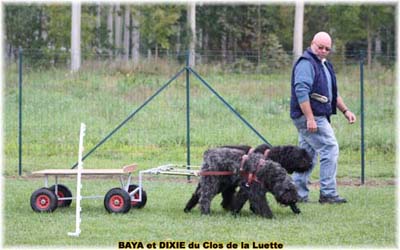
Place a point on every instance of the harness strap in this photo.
(251, 177)
(207, 173)
(245, 158)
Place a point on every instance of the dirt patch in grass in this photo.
(357, 182)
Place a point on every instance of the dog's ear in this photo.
(261, 148)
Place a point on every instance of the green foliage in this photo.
(276, 57)
(23, 25)
(59, 18)
(158, 23)
(226, 28)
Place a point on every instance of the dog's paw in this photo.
(235, 214)
(295, 209)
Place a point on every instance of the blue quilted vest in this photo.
(320, 86)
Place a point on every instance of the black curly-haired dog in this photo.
(220, 173)
(292, 159)
(225, 167)
(269, 177)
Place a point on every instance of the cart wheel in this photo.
(43, 200)
(117, 200)
(62, 192)
(137, 204)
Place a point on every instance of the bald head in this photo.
(322, 37)
(321, 44)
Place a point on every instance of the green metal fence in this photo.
(105, 92)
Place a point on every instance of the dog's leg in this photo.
(210, 188)
(259, 203)
(193, 200)
(239, 200)
(227, 197)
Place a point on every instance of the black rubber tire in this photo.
(137, 204)
(44, 200)
(62, 192)
(117, 200)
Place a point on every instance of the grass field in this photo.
(367, 220)
(55, 102)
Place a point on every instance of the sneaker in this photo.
(332, 200)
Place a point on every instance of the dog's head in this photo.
(275, 179)
(285, 192)
(292, 158)
(302, 158)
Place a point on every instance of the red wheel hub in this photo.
(43, 201)
(116, 202)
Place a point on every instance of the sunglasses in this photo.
(321, 47)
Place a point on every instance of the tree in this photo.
(298, 30)
(118, 28)
(127, 33)
(110, 27)
(135, 34)
(23, 28)
(76, 37)
(372, 18)
(158, 24)
(191, 17)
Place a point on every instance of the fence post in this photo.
(362, 117)
(20, 111)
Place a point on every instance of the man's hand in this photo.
(307, 111)
(312, 125)
(350, 116)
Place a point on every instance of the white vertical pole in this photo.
(79, 184)
(191, 16)
(298, 30)
(76, 36)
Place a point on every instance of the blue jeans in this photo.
(324, 143)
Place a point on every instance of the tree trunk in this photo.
(191, 17)
(259, 51)
(369, 47)
(98, 25)
(76, 37)
(298, 30)
(378, 45)
(118, 29)
(200, 45)
(126, 33)
(223, 47)
(110, 28)
(156, 54)
(206, 40)
(178, 41)
(135, 40)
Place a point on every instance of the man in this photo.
(314, 98)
